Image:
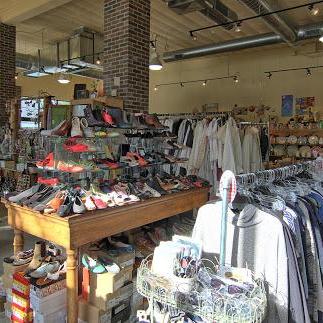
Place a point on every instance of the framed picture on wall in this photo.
(287, 105)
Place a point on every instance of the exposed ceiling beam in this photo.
(18, 11)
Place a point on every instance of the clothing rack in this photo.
(270, 175)
(250, 123)
(198, 114)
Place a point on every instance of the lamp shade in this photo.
(155, 63)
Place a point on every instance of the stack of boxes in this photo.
(48, 301)
(7, 279)
(21, 310)
(107, 297)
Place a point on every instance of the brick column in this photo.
(126, 51)
(7, 68)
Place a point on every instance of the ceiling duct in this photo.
(303, 33)
(275, 22)
(212, 9)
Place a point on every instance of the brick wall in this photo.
(126, 51)
(7, 68)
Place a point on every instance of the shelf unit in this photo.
(114, 102)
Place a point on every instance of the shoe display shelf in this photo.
(75, 231)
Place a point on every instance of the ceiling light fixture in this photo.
(204, 83)
(193, 36)
(155, 63)
(182, 85)
(321, 39)
(156, 88)
(269, 75)
(63, 79)
(98, 61)
(314, 11)
(236, 79)
(308, 72)
(16, 76)
(237, 28)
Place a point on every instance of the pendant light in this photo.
(155, 64)
(63, 79)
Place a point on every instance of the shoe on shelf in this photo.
(88, 132)
(21, 258)
(75, 146)
(76, 128)
(48, 181)
(108, 119)
(66, 207)
(152, 121)
(69, 167)
(89, 204)
(25, 194)
(149, 189)
(139, 159)
(47, 163)
(37, 197)
(99, 265)
(54, 130)
(41, 206)
(154, 184)
(45, 269)
(78, 206)
(118, 117)
(38, 256)
(53, 205)
(99, 203)
(90, 118)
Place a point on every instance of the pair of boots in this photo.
(38, 258)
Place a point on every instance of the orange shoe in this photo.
(139, 159)
(55, 203)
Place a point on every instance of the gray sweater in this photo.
(255, 240)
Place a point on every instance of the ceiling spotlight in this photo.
(235, 79)
(193, 36)
(182, 85)
(63, 79)
(321, 39)
(155, 63)
(16, 76)
(314, 11)
(204, 83)
(237, 28)
(155, 88)
(269, 75)
(98, 61)
(308, 72)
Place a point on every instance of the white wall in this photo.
(253, 88)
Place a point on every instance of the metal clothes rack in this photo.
(196, 114)
(281, 173)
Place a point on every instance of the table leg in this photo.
(18, 241)
(72, 287)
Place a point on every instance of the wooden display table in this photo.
(77, 230)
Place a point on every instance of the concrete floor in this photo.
(6, 240)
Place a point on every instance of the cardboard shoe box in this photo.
(58, 316)
(51, 288)
(91, 314)
(111, 300)
(103, 284)
(49, 304)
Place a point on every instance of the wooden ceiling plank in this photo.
(19, 11)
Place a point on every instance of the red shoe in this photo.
(47, 163)
(72, 146)
(48, 181)
(66, 167)
(100, 204)
(108, 118)
(141, 161)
